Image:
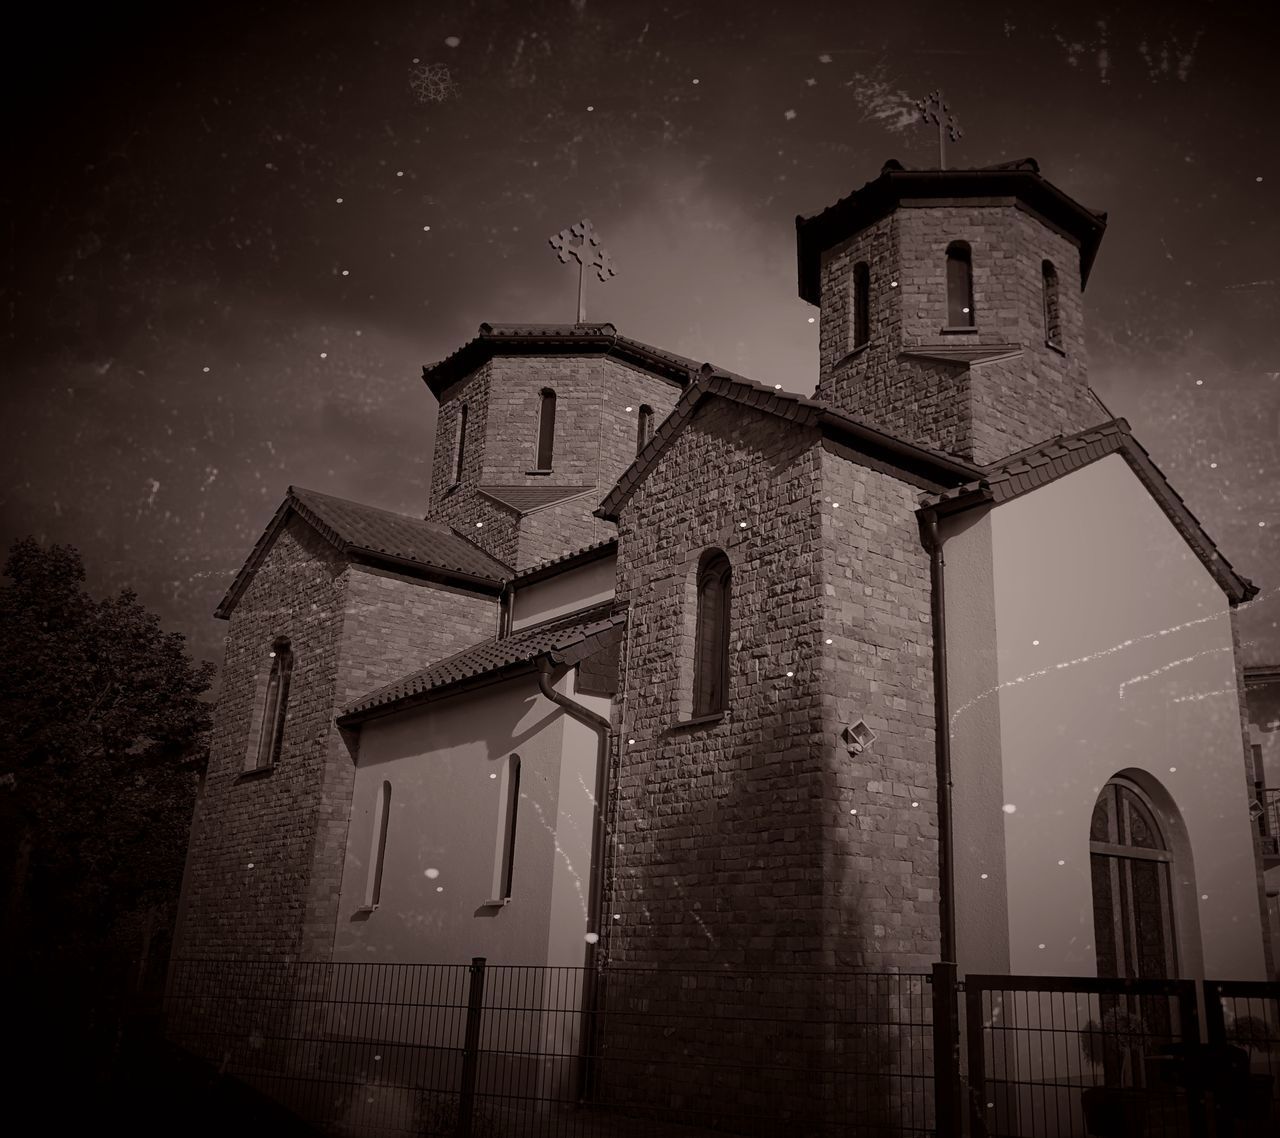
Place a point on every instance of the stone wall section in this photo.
(717, 847)
(250, 858)
(881, 871)
(992, 409)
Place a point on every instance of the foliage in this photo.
(102, 736)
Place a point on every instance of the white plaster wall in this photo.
(445, 816)
(564, 593)
(1113, 653)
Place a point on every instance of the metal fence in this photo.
(1066, 1057)
(482, 1051)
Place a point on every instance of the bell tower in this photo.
(950, 306)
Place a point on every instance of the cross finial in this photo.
(580, 242)
(934, 110)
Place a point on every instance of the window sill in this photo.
(1056, 347)
(853, 354)
(702, 720)
(530, 472)
(495, 903)
(958, 330)
(367, 909)
(257, 772)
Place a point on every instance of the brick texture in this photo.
(265, 860)
(983, 412)
(595, 442)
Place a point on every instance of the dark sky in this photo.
(237, 232)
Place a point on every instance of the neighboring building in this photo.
(654, 680)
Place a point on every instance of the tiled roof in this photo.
(879, 197)
(936, 468)
(374, 534)
(546, 568)
(526, 499)
(555, 339)
(564, 640)
(1037, 466)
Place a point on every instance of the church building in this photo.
(680, 668)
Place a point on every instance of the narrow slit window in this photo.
(959, 285)
(861, 304)
(546, 429)
(276, 705)
(644, 428)
(509, 811)
(1052, 309)
(378, 855)
(711, 643)
(459, 444)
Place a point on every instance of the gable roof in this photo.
(1020, 179)
(367, 533)
(555, 339)
(564, 640)
(920, 465)
(526, 499)
(1037, 466)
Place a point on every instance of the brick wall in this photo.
(984, 412)
(718, 845)
(266, 853)
(595, 441)
(881, 873)
(249, 862)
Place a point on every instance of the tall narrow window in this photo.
(509, 805)
(459, 444)
(711, 641)
(546, 429)
(1052, 312)
(861, 304)
(644, 429)
(378, 854)
(271, 731)
(959, 285)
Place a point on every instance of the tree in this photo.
(103, 734)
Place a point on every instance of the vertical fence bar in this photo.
(946, 1050)
(974, 1045)
(471, 1047)
(1216, 1034)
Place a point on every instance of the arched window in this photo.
(861, 304)
(1129, 861)
(644, 427)
(275, 706)
(373, 893)
(509, 807)
(459, 444)
(1052, 312)
(959, 285)
(546, 429)
(711, 640)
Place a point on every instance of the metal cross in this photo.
(934, 110)
(580, 242)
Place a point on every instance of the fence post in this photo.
(471, 1047)
(1216, 1033)
(946, 1050)
(977, 1059)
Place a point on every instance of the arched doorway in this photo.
(1131, 862)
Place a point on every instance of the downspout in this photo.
(942, 740)
(595, 891)
(948, 1086)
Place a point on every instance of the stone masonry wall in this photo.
(718, 846)
(881, 873)
(595, 441)
(249, 862)
(995, 408)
